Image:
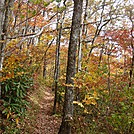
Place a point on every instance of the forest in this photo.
(66, 67)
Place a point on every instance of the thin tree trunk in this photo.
(109, 81)
(65, 127)
(100, 58)
(83, 34)
(98, 30)
(79, 56)
(45, 59)
(57, 59)
(131, 75)
(2, 42)
(45, 67)
(5, 6)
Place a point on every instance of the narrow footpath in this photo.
(43, 122)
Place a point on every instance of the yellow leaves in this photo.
(78, 103)
(89, 100)
(55, 9)
(49, 37)
(105, 91)
(9, 75)
(87, 112)
(88, 78)
(2, 41)
(63, 77)
(17, 120)
(20, 73)
(68, 85)
(46, 37)
(12, 43)
(95, 94)
(13, 61)
(8, 115)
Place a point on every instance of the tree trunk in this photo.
(5, 6)
(83, 34)
(2, 10)
(80, 46)
(100, 57)
(65, 127)
(109, 75)
(45, 59)
(57, 58)
(131, 73)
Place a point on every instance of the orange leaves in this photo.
(91, 30)
(9, 75)
(38, 21)
(121, 36)
(12, 63)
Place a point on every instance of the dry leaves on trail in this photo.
(44, 121)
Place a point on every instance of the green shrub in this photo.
(14, 93)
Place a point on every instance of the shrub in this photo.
(15, 91)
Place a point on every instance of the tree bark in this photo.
(65, 127)
(131, 72)
(57, 58)
(83, 33)
(109, 75)
(80, 46)
(45, 59)
(2, 10)
(5, 6)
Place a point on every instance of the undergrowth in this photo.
(19, 110)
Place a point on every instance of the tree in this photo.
(57, 55)
(5, 6)
(65, 127)
(83, 34)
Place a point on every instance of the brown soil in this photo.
(43, 122)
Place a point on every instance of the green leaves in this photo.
(58, 0)
(15, 91)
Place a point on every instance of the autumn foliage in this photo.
(103, 87)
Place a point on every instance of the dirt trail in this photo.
(45, 122)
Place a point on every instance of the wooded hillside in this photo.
(66, 66)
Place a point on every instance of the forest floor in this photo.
(40, 119)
